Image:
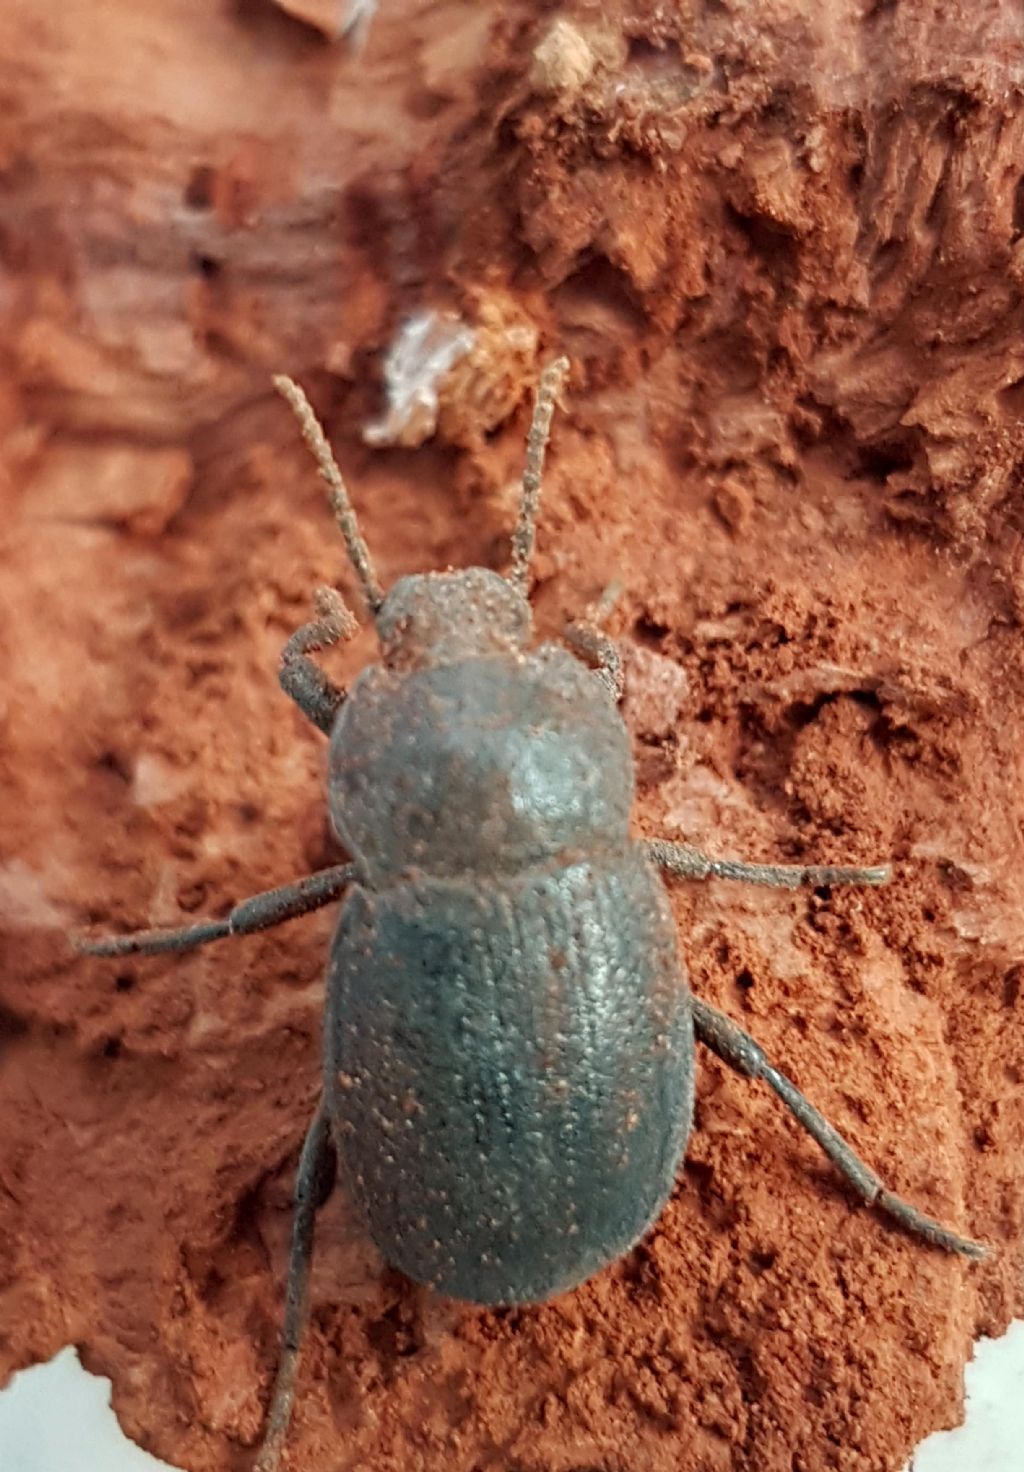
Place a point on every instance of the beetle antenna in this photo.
(548, 385)
(337, 491)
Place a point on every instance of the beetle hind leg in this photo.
(740, 1051)
(313, 1186)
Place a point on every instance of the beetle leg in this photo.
(259, 912)
(586, 638)
(684, 862)
(739, 1050)
(315, 695)
(313, 1185)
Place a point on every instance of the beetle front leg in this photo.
(314, 1183)
(683, 862)
(259, 912)
(317, 697)
(589, 642)
(739, 1051)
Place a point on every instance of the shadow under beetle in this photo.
(509, 1037)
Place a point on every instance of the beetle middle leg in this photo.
(259, 912)
(313, 1185)
(683, 862)
(740, 1051)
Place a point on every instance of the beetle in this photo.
(509, 1039)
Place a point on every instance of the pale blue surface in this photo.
(56, 1418)
(992, 1437)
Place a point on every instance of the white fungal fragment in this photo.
(457, 376)
(428, 346)
(356, 21)
(337, 19)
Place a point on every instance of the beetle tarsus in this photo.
(313, 1186)
(259, 912)
(153, 942)
(739, 1050)
(684, 862)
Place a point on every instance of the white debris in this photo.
(337, 19)
(357, 18)
(428, 346)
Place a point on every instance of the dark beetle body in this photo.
(509, 1037)
(509, 1043)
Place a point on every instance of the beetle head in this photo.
(440, 618)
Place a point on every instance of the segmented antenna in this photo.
(337, 491)
(548, 386)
